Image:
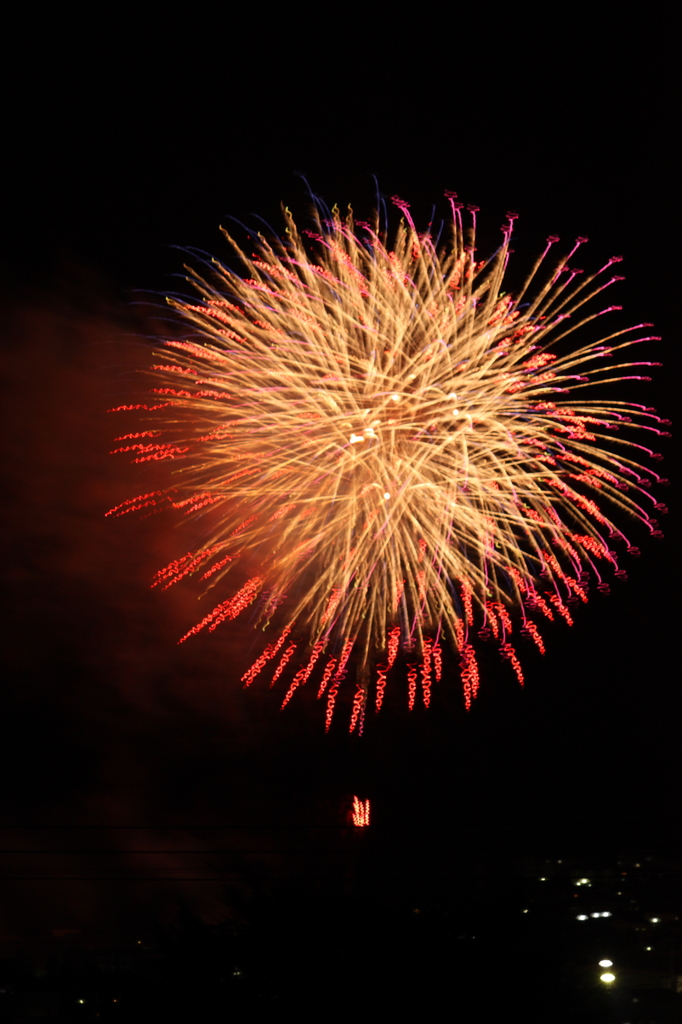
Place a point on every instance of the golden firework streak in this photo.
(393, 449)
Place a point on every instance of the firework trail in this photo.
(360, 812)
(387, 452)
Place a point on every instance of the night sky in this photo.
(127, 145)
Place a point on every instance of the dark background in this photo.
(128, 141)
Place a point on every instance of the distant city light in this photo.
(607, 977)
(655, 920)
(582, 917)
(582, 881)
(649, 948)
(606, 913)
(606, 963)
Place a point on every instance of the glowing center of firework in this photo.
(406, 416)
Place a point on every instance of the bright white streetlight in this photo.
(607, 977)
(606, 963)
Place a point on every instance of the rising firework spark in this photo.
(360, 812)
(386, 452)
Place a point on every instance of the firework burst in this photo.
(386, 452)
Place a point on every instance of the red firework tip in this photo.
(133, 504)
(229, 609)
(181, 567)
(381, 685)
(358, 713)
(532, 630)
(508, 652)
(282, 663)
(269, 652)
(426, 670)
(131, 408)
(302, 676)
(339, 676)
(411, 684)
